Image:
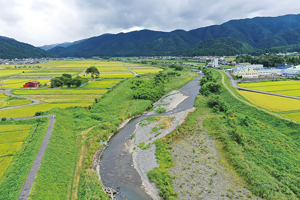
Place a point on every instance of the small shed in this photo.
(31, 84)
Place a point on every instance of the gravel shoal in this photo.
(169, 101)
(198, 172)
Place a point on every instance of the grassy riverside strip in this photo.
(14, 177)
(261, 148)
(58, 171)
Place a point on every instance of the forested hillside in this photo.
(260, 34)
(10, 48)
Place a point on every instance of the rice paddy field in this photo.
(79, 64)
(11, 139)
(9, 72)
(146, 69)
(18, 83)
(105, 83)
(111, 71)
(289, 108)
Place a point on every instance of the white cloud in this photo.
(40, 22)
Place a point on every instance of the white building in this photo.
(247, 73)
(256, 67)
(291, 72)
(269, 72)
(216, 62)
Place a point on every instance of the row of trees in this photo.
(66, 79)
(268, 60)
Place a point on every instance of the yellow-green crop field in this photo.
(59, 91)
(270, 102)
(9, 72)
(4, 163)
(108, 64)
(111, 75)
(66, 98)
(291, 88)
(80, 64)
(102, 84)
(18, 102)
(294, 116)
(11, 139)
(31, 110)
(111, 69)
(18, 83)
(145, 70)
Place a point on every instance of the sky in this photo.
(41, 22)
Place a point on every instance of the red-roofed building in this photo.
(31, 84)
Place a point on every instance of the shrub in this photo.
(160, 110)
(210, 87)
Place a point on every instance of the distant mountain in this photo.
(218, 47)
(65, 44)
(11, 48)
(247, 35)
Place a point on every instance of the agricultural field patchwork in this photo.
(18, 83)
(31, 110)
(79, 64)
(272, 103)
(18, 102)
(58, 91)
(291, 88)
(105, 83)
(146, 69)
(9, 72)
(108, 64)
(11, 139)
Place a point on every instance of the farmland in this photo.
(19, 143)
(11, 139)
(289, 108)
(18, 83)
(146, 69)
(102, 84)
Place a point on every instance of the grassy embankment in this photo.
(262, 148)
(21, 159)
(60, 170)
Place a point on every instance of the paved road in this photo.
(233, 83)
(34, 101)
(135, 74)
(38, 159)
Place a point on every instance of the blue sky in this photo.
(40, 22)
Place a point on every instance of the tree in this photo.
(56, 82)
(93, 71)
(67, 75)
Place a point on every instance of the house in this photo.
(291, 72)
(248, 72)
(31, 84)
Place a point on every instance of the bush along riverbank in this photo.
(258, 150)
(67, 167)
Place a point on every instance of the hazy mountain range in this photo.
(257, 35)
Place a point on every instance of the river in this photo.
(116, 168)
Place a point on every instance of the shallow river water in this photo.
(116, 167)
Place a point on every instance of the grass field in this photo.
(145, 70)
(102, 84)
